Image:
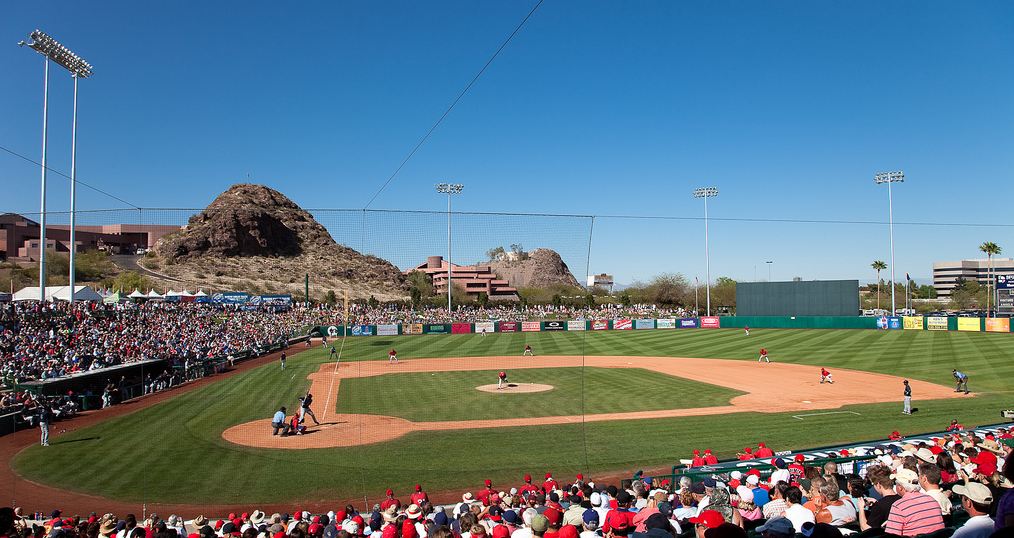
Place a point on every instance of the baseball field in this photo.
(612, 402)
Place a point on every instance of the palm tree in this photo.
(990, 249)
(878, 266)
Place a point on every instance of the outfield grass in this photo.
(173, 451)
(429, 396)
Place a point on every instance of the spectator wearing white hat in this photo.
(915, 513)
(975, 499)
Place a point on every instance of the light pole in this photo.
(449, 189)
(890, 177)
(51, 49)
(707, 192)
(769, 262)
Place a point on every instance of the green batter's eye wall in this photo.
(813, 298)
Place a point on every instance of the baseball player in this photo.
(763, 356)
(282, 359)
(746, 329)
(334, 353)
(392, 357)
(528, 351)
(304, 408)
(825, 376)
(907, 406)
(962, 381)
(501, 380)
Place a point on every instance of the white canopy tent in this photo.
(137, 294)
(57, 293)
(153, 294)
(200, 293)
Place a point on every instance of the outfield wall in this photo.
(927, 323)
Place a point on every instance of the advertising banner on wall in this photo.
(577, 325)
(599, 324)
(555, 325)
(439, 328)
(936, 323)
(461, 328)
(644, 324)
(362, 330)
(333, 331)
(509, 326)
(387, 330)
(710, 322)
(689, 323)
(913, 322)
(623, 324)
(665, 323)
(413, 328)
(484, 327)
(894, 323)
(969, 324)
(531, 326)
(998, 325)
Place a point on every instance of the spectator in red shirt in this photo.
(763, 451)
(698, 461)
(746, 455)
(709, 458)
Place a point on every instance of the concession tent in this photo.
(136, 294)
(112, 298)
(153, 295)
(57, 293)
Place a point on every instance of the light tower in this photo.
(889, 178)
(707, 192)
(449, 189)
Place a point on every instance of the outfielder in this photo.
(501, 381)
(747, 330)
(825, 376)
(962, 381)
(528, 351)
(763, 356)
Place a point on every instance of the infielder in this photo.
(763, 356)
(392, 357)
(746, 330)
(334, 353)
(907, 406)
(826, 376)
(501, 381)
(962, 381)
(528, 351)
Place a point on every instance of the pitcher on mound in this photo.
(501, 381)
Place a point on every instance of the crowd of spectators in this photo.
(50, 340)
(937, 488)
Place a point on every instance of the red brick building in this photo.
(19, 237)
(475, 279)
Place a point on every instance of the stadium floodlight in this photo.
(707, 192)
(770, 263)
(449, 189)
(890, 177)
(53, 50)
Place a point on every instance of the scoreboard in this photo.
(1005, 294)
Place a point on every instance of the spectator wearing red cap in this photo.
(745, 455)
(697, 461)
(709, 519)
(390, 501)
(763, 451)
(618, 521)
(709, 458)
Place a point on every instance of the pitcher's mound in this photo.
(516, 388)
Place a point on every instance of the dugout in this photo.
(798, 298)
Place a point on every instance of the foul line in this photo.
(800, 417)
(327, 403)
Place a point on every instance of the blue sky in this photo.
(594, 108)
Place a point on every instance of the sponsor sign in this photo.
(230, 298)
(554, 325)
(936, 323)
(577, 325)
(644, 324)
(461, 328)
(600, 324)
(623, 324)
(276, 300)
(387, 330)
(509, 326)
(669, 323)
(439, 328)
(969, 324)
(710, 322)
(333, 331)
(412, 328)
(913, 322)
(1004, 282)
(998, 325)
(484, 327)
(894, 322)
(362, 330)
(689, 323)
(531, 326)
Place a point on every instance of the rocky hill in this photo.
(541, 268)
(253, 238)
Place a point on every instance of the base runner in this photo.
(501, 381)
